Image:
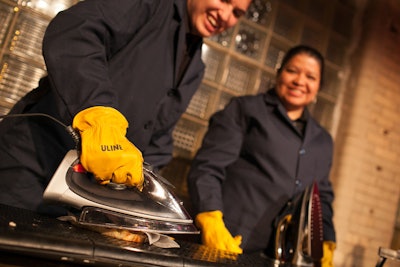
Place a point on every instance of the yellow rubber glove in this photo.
(328, 249)
(105, 151)
(214, 233)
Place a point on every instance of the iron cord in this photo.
(72, 132)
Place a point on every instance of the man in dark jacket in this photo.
(110, 65)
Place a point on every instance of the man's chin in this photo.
(204, 32)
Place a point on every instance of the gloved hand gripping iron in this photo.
(148, 208)
(154, 209)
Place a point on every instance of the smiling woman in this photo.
(299, 79)
(211, 17)
(259, 153)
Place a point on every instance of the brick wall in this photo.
(366, 173)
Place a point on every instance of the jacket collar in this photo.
(312, 126)
(180, 9)
(195, 65)
(271, 98)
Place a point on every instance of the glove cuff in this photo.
(328, 249)
(99, 115)
(205, 217)
(331, 245)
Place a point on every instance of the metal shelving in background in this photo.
(21, 61)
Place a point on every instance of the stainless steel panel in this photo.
(6, 14)
(48, 7)
(16, 79)
(27, 38)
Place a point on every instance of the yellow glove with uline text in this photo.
(105, 151)
(214, 233)
(328, 249)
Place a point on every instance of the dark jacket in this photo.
(125, 55)
(253, 160)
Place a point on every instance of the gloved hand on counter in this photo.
(214, 233)
(105, 151)
(328, 249)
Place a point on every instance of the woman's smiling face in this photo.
(211, 17)
(298, 82)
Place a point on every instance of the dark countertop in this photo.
(31, 239)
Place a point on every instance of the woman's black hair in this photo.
(304, 49)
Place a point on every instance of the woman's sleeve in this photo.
(221, 147)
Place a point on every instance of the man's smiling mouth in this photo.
(213, 22)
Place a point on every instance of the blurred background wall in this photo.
(359, 103)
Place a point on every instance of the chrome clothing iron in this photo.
(387, 253)
(298, 239)
(154, 210)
